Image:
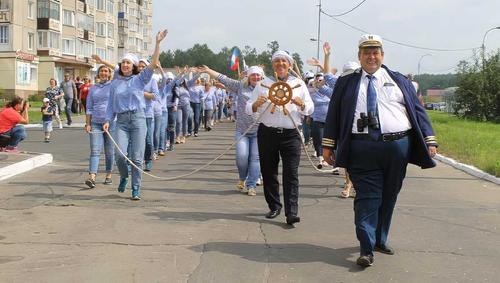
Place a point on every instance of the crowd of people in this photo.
(368, 120)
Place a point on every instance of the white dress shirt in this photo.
(278, 119)
(390, 101)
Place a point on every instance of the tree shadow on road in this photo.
(284, 253)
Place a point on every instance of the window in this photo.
(34, 73)
(145, 47)
(131, 41)
(85, 22)
(68, 18)
(48, 9)
(4, 4)
(49, 39)
(111, 30)
(100, 29)
(31, 40)
(31, 10)
(101, 52)
(68, 46)
(4, 34)
(110, 54)
(110, 6)
(100, 5)
(85, 48)
(23, 73)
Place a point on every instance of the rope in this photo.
(215, 159)
(192, 172)
(307, 153)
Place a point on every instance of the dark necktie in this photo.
(371, 106)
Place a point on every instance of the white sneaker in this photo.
(259, 182)
(252, 192)
(60, 126)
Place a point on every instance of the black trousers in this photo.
(275, 143)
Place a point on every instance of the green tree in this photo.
(478, 93)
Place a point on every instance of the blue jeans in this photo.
(196, 116)
(182, 120)
(172, 122)
(131, 127)
(97, 140)
(156, 132)
(17, 134)
(317, 135)
(306, 129)
(163, 130)
(148, 152)
(247, 159)
(69, 102)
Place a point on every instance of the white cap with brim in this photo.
(349, 66)
(170, 75)
(255, 70)
(308, 75)
(284, 55)
(130, 57)
(370, 40)
(145, 61)
(45, 99)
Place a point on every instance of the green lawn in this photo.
(470, 142)
(35, 112)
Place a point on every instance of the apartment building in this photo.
(43, 39)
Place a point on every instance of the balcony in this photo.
(89, 9)
(5, 16)
(80, 6)
(89, 35)
(80, 33)
(48, 23)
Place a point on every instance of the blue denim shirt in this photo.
(97, 101)
(151, 87)
(166, 94)
(321, 103)
(195, 93)
(210, 100)
(330, 81)
(183, 94)
(127, 93)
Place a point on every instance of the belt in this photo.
(276, 130)
(383, 137)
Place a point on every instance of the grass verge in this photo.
(469, 142)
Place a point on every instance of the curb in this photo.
(25, 165)
(74, 125)
(469, 169)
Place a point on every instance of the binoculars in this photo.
(371, 121)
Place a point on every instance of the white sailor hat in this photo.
(130, 57)
(349, 66)
(370, 40)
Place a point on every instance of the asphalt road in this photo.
(446, 226)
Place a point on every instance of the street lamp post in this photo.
(420, 61)
(483, 47)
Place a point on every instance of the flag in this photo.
(235, 59)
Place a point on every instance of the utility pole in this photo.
(319, 29)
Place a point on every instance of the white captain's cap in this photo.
(370, 40)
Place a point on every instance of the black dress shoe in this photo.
(273, 213)
(385, 249)
(290, 220)
(365, 260)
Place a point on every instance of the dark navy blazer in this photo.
(339, 120)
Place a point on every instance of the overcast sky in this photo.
(438, 24)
